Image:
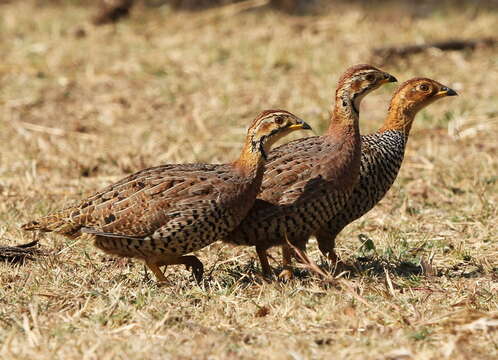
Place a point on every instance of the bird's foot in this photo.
(193, 264)
(286, 275)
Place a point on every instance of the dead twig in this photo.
(230, 10)
(304, 259)
(112, 11)
(20, 253)
(50, 130)
(344, 284)
(391, 53)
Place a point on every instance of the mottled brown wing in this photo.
(294, 167)
(143, 202)
(188, 228)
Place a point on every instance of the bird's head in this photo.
(415, 94)
(270, 126)
(411, 97)
(356, 83)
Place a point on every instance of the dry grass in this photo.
(82, 106)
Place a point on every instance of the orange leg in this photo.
(155, 269)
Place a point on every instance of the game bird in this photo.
(162, 213)
(309, 180)
(381, 156)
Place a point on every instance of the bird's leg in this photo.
(326, 244)
(286, 256)
(263, 259)
(190, 261)
(155, 269)
(328, 250)
(297, 249)
(286, 273)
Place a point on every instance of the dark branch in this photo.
(20, 253)
(395, 52)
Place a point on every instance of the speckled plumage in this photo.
(382, 154)
(381, 157)
(159, 214)
(308, 180)
(306, 195)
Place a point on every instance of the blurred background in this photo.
(92, 90)
(178, 80)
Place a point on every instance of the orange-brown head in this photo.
(353, 86)
(411, 97)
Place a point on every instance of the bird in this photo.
(161, 213)
(381, 156)
(308, 180)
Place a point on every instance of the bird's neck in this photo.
(250, 163)
(399, 118)
(344, 132)
(344, 120)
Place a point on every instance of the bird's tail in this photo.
(59, 222)
(87, 230)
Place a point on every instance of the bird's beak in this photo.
(300, 125)
(446, 91)
(388, 78)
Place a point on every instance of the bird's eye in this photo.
(370, 77)
(424, 87)
(279, 120)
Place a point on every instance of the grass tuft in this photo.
(82, 106)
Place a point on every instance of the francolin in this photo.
(307, 181)
(381, 156)
(162, 213)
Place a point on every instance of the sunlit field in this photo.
(82, 106)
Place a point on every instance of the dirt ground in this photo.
(82, 106)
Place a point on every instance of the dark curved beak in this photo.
(446, 91)
(388, 78)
